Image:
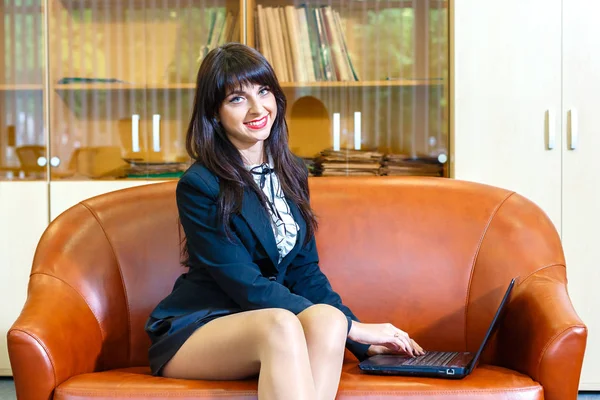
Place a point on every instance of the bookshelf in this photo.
(121, 75)
(375, 73)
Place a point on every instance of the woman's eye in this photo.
(236, 99)
(264, 91)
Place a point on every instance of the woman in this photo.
(254, 300)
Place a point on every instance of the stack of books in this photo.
(347, 162)
(402, 164)
(304, 43)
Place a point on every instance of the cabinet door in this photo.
(179, 36)
(366, 82)
(24, 216)
(22, 129)
(581, 184)
(507, 77)
(97, 82)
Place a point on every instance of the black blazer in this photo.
(225, 277)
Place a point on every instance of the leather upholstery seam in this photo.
(102, 333)
(558, 334)
(120, 274)
(37, 339)
(43, 346)
(550, 342)
(448, 391)
(229, 393)
(531, 274)
(481, 239)
(162, 393)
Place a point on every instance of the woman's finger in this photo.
(400, 346)
(406, 345)
(418, 348)
(402, 337)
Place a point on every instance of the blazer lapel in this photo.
(260, 223)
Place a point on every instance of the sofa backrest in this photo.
(434, 256)
(431, 255)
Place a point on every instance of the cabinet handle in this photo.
(573, 129)
(550, 129)
(357, 130)
(336, 132)
(135, 133)
(156, 133)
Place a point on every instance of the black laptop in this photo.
(442, 364)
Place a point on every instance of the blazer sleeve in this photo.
(227, 261)
(305, 278)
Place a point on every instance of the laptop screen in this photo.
(493, 325)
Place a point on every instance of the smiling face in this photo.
(247, 114)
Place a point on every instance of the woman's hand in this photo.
(384, 338)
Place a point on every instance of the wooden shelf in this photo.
(403, 82)
(132, 4)
(172, 3)
(286, 85)
(355, 4)
(99, 86)
(20, 87)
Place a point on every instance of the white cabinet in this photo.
(506, 82)
(23, 218)
(65, 194)
(580, 172)
(526, 81)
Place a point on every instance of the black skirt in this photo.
(169, 334)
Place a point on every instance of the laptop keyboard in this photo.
(437, 358)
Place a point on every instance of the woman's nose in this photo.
(256, 106)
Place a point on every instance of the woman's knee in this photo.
(325, 320)
(280, 326)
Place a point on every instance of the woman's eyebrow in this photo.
(238, 91)
(243, 92)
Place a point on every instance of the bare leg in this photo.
(326, 330)
(269, 341)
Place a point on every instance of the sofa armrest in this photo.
(55, 337)
(542, 335)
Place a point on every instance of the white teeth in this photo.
(257, 123)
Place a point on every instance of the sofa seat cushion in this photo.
(486, 382)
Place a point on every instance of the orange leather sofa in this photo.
(431, 255)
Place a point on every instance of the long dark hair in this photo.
(226, 68)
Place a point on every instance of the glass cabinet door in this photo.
(122, 78)
(98, 57)
(367, 82)
(179, 35)
(22, 130)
